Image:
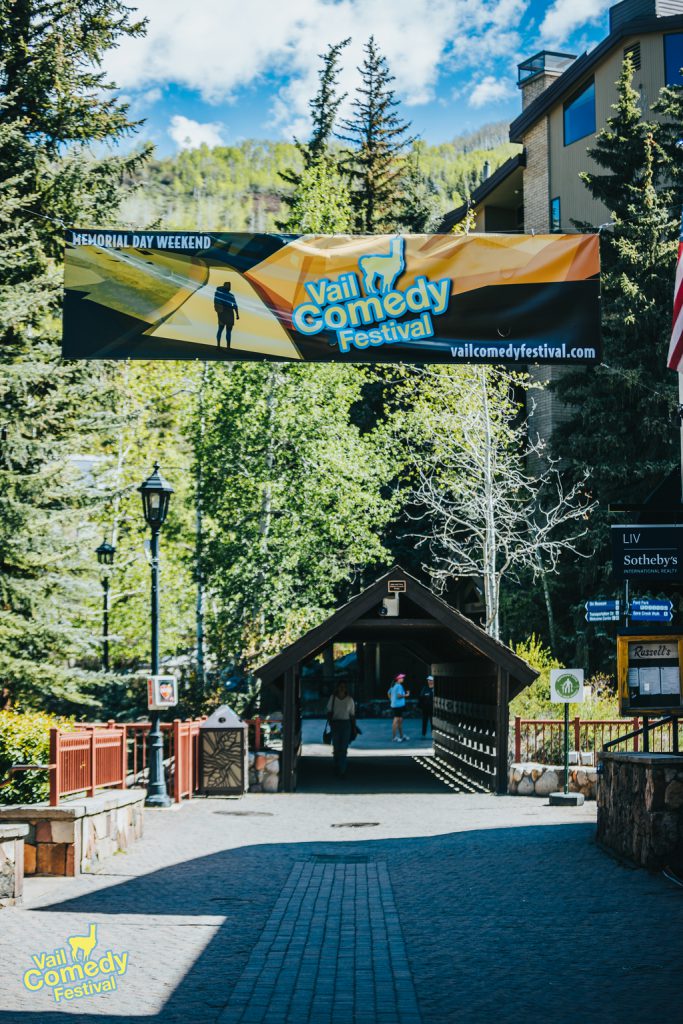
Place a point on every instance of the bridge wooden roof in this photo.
(359, 619)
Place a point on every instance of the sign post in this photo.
(566, 687)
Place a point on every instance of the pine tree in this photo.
(378, 137)
(621, 409)
(420, 205)
(619, 430)
(324, 108)
(54, 102)
(669, 108)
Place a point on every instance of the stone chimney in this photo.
(538, 72)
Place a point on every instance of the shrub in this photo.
(534, 700)
(25, 739)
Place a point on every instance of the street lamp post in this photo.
(105, 556)
(156, 495)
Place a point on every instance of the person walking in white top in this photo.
(341, 714)
(397, 698)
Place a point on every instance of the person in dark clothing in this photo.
(341, 714)
(427, 704)
(225, 305)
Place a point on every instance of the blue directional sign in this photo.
(649, 609)
(602, 611)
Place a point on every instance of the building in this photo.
(566, 100)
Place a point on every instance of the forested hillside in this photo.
(240, 188)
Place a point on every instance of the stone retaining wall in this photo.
(12, 863)
(640, 808)
(531, 779)
(77, 835)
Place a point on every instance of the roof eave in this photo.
(584, 64)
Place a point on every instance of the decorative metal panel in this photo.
(223, 755)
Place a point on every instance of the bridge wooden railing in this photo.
(541, 739)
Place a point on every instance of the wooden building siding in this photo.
(566, 162)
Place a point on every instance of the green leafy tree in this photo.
(379, 138)
(293, 499)
(321, 203)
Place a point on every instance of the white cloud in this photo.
(564, 16)
(221, 46)
(189, 134)
(151, 96)
(489, 90)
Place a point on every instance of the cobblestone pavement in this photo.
(438, 908)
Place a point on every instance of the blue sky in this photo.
(218, 71)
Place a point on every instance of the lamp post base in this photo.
(158, 800)
(566, 799)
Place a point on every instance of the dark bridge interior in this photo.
(396, 618)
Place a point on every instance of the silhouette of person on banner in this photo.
(225, 305)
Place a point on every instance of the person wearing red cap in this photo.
(397, 698)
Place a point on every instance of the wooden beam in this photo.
(502, 729)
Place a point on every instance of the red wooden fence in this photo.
(542, 739)
(94, 756)
(84, 760)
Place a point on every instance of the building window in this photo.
(633, 51)
(673, 58)
(555, 216)
(579, 114)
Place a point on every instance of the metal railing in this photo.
(541, 739)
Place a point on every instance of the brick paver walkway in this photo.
(332, 952)
(444, 909)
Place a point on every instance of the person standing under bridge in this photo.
(397, 698)
(426, 701)
(341, 714)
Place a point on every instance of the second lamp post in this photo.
(105, 556)
(156, 495)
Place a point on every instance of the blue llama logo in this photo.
(382, 270)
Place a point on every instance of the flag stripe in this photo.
(675, 358)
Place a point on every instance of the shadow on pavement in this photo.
(502, 924)
(370, 774)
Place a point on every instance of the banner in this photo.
(373, 298)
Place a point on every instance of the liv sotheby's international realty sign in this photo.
(649, 552)
(511, 299)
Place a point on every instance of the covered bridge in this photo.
(396, 619)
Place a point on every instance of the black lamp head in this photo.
(105, 553)
(156, 495)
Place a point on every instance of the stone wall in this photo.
(640, 808)
(533, 779)
(12, 863)
(536, 180)
(77, 835)
(264, 772)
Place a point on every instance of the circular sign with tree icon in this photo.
(566, 685)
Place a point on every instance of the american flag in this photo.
(675, 360)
